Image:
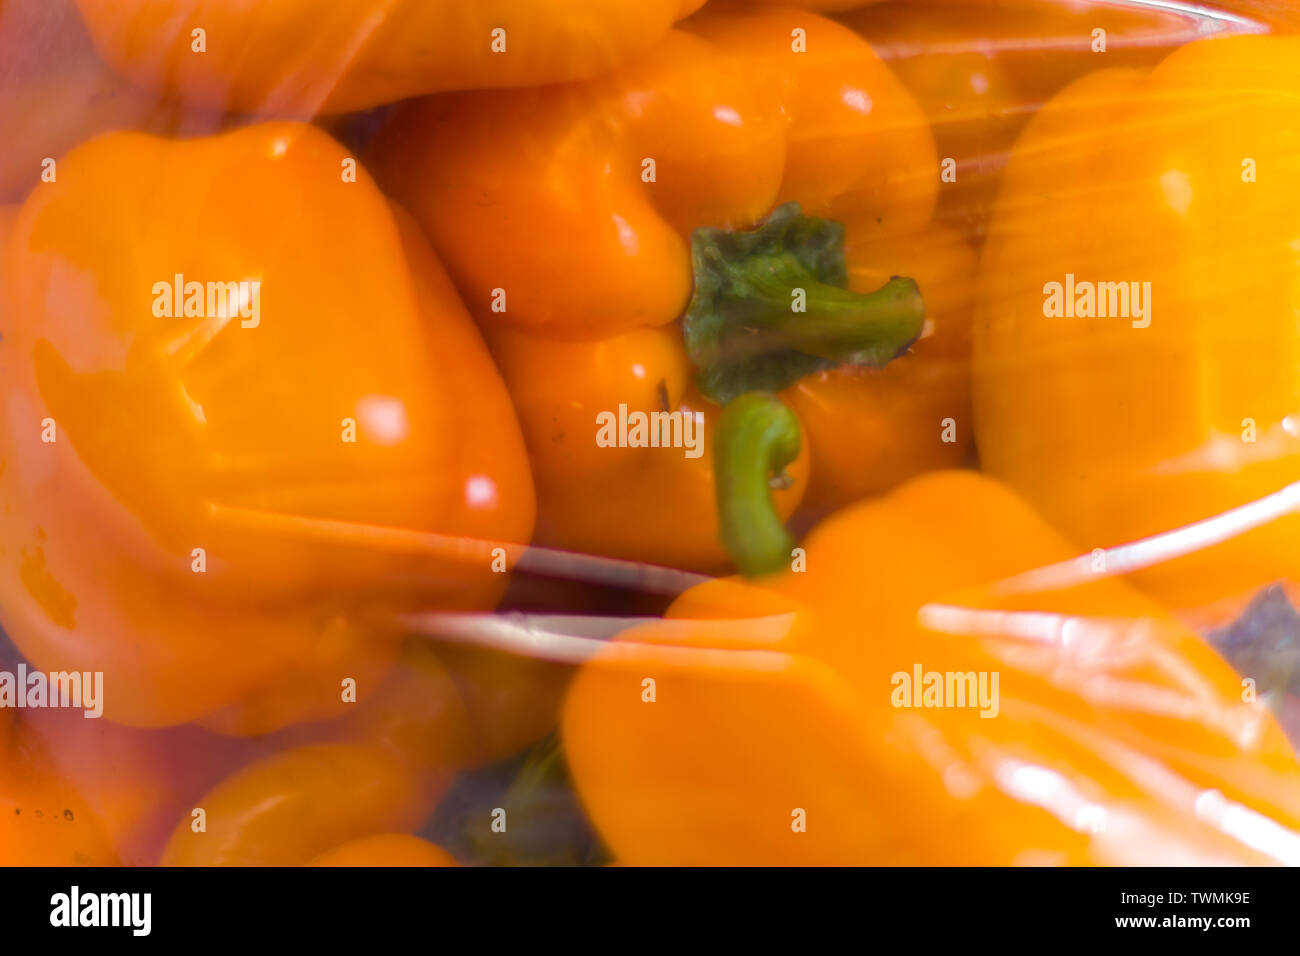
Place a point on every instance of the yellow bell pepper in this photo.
(1136, 346)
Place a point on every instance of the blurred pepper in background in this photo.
(291, 807)
(981, 68)
(302, 58)
(1136, 342)
(43, 821)
(311, 437)
(762, 723)
(377, 772)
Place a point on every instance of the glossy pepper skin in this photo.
(737, 123)
(289, 808)
(1123, 427)
(303, 58)
(328, 789)
(1034, 47)
(643, 504)
(775, 736)
(231, 434)
(951, 59)
(580, 298)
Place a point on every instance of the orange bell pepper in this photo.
(136, 782)
(1135, 346)
(330, 788)
(736, 123)
(512, 701)
(950, 59)
(674, 155)
(449, 708)
(221, 511)
(650, 504)
(775, 723)
(43, 821)
(289, 808)
(299, 58)
(1038, 46)
(8, 217)
(981, 68)
(438, 711)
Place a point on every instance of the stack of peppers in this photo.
(739, 217)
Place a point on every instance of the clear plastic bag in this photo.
(725, 432)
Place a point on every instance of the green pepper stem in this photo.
(757, 436)
(771, 306)
(838, 325)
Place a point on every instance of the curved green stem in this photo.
(757, 436)
(770, 307)
(839, 326)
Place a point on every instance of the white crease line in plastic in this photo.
(1146, 552)
(571, 639)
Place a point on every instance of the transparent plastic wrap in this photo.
(724, 432)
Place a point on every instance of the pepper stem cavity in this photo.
(756, 437)
(772, 306)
